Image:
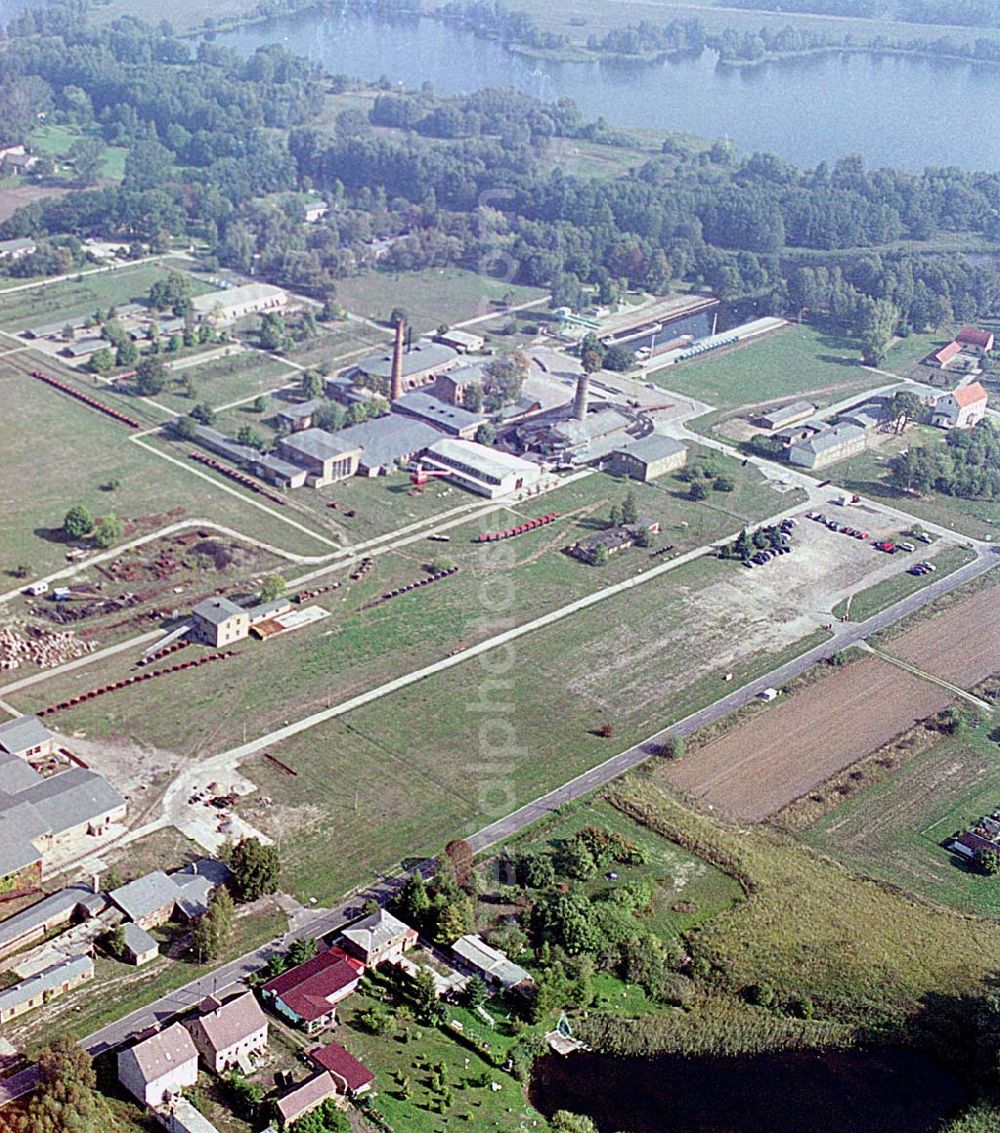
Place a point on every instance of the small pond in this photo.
(869, 1091)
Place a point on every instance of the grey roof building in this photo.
(146, 898)
(451, 419)
(784, 415)
(828, 446)
(385, 441)
(138, 942)
(317, 444)
(32, 923)
(24, 735)
(225, 446)
(73, 798)
(217, 610)
(16, 774)
(422, 358)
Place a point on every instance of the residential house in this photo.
(217, 621)
(229, 1034)
(649, 458)
(963, 408)
(973, 338)
(491, 964)
(379, 939)
(307, 995)
(156, 1069)
(44, 985)
(305, 1097)
(352, 1077)
(140, 947)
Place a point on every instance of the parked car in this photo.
(906, 546)
(922, 538)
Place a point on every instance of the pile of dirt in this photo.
(224, 555)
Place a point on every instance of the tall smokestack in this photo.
(582, 397)
(396, 387)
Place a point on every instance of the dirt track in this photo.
(785, 752)
(961, 645)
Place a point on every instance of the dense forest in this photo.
(217, 146)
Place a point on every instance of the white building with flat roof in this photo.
(481, 469)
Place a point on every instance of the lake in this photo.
(855, 1091)
(907, 112)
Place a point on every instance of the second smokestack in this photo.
(396, 385)
(582, 398)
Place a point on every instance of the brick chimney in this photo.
(582, 397)
(396, 387)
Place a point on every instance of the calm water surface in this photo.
(905, 112)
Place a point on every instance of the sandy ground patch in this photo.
(779, 755)
(13, 199)
(696, 631)
(961, 645)
(129, 768)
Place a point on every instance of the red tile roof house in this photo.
(964, 408)
(353, 1078)
(307, 995)
(976, 338)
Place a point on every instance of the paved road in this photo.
(330, 920)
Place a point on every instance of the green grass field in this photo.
(862, 952)
(866, 603)
(430, 297)
(85, 450)
(893, 831)
(221, 381)
(83, 294)
(790, 361)
(357, 649)
(58, 140)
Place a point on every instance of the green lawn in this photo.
(907, 352)
(792, 361)
(58, 140)
(85, 451)
(893, 831)
(430, 297)
(83, 294)
(866, 603)
(220, 381)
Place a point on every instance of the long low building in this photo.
(451, 419)
(76, 902)
(44, 985)
(784, 416)
(483, 470)
(234, 303)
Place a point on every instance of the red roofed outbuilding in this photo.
(351, 1075)
(976, 338)
(944, 357)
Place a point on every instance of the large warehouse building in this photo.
(480, 469)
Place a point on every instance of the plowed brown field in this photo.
(962, 645)
(781, 754)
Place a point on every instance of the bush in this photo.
(760, 995)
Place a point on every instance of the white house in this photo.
(227, 1034)
(379, 939)
(159, 1067)
(961, 409)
